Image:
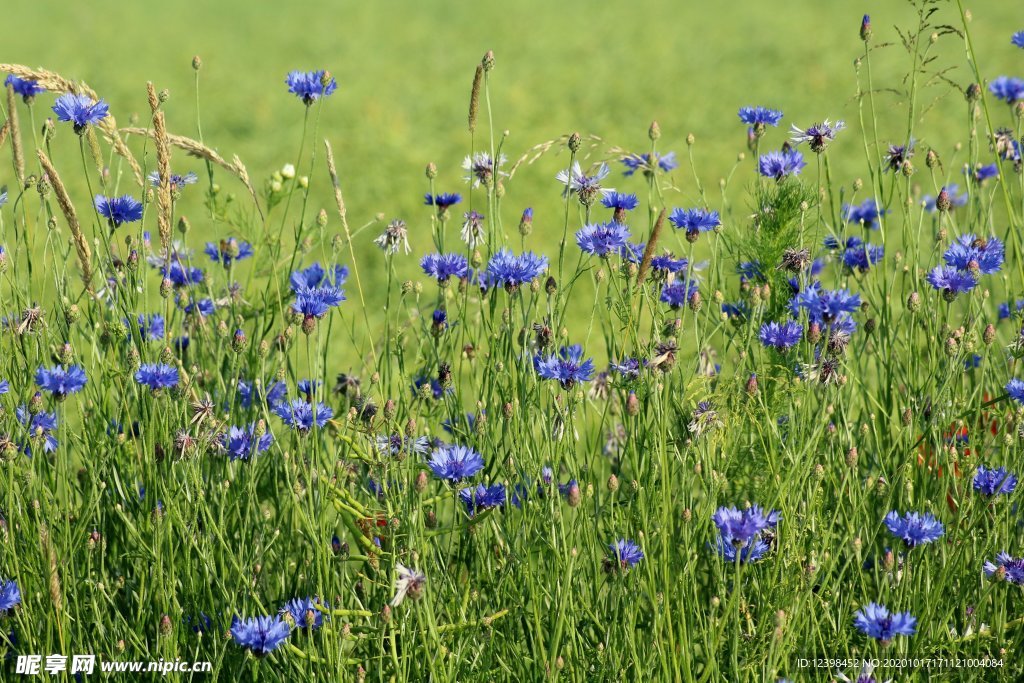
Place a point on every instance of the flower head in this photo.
(10, 596)
(119, 210)
(567, 367)
(1007, 567)
(310, 85)
(781, 336)
(996, 481)
(444, 266)
(623, 555)
(39, 427)
(301, 415)
(1007, 89)
(455, 463)
(175, 180)
(80, 110)
(897, 155)
(781, 164)
(602, 239)
(26, 87)
(409, 583)
(866, 213)
(648, 164)
(818, 135)
(481, 168)
(876, 621)
(619, 203)
(678, 293)
(442, 201)
(395, 235)
(157, 376)
(151, 327)
(759, 117)
(473, 229)
(951, 281)
(241, 443)
(744, 535)
(914, 528)
(61, 381)
(509, 271)
(304, 612)
(694, 221)
(863, 256)
(587, 188)
(228, 251)
(1017, 39)
(260, 635)
(974, 254)
(482, 498)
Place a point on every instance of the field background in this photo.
(404, 71)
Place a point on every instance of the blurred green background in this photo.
(404, 71)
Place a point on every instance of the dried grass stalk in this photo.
(645, 262)
(54, 82)
(68, 209)
(15, 129)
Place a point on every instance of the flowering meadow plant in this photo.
(560, 410)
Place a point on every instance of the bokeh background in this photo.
(404, 71)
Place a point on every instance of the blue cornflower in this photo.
(482, 497)
(5, 386)
(759, 117)
(983, 172)
(119, 210)
(736, 312)
(782, 336)
(781, 164)
(302, 416)
(1004, 308)
(602, 239)
(818, 135)
(61, 381)
(241, 442)
(444, 266)
(481, 168)
(996, 481)
(667, 263)
(316, 276)
(80, 110)
(25, 87)
(157, 376)
(876, 621)
(3, 200)
(629, 368)
(824, 305)
(897, 155)
(42, 425)
(10, 596)
(694, 221)
(1007, 89)
(304, 612)
(678, 293)
(951, 281)
(151, 328)
(1006, 567)
(744, 536)
(620, 203)
(866, 213)
(623, 555)
(310, 85)
(587, 188)
(1017, 39)
(260, 635)
(974, 254)
(228, 251)
(750, 270)
(863, 256)
(315, 303)
(442, 201)
(645, 164)
(1015, 388)
(914, 528)
(455, 462)
(567, 367)
(175, 180)
(181, 275)
(203, 307)
(439, 320)
(956, 199)
(308, 387)
(251, 391)
(509, 271)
